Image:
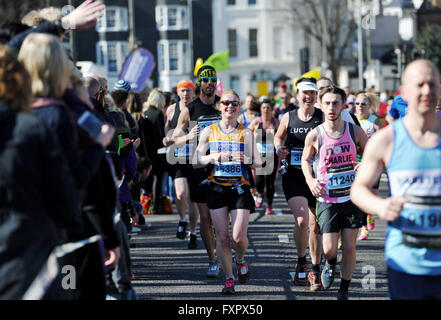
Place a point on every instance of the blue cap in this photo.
(122, 85)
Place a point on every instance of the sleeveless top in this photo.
(246, 122)
(228, 173)
(264, 143)
(203, 115)
(176, 114)
(295, 139)
(334, 164)
(368, 125)
(414, 173)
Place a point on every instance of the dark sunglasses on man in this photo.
(207, 79)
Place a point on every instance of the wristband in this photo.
(278, 148)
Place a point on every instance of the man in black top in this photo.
(179, 171)
(197, 114)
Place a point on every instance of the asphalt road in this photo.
(165, 269)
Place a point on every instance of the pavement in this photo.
(165, 269)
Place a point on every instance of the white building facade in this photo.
(263, 41)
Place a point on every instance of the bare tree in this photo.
(330, 22)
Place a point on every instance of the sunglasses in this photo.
(228, 102)
(207, 79)
(362, 103)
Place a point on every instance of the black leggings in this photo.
(267, 181)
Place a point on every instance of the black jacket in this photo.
(38, 196)
(152, 133)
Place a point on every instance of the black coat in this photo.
(152, 134)
(38, 196)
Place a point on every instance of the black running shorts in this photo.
(178, 171)
(334, 217)
(220, 197)
(294, 185)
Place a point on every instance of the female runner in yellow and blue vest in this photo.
(232, 149)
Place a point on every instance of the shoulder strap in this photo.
(352, 132)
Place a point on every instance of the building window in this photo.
(114, 19)
(235, 83)
(232, 42)
(231, 2)
(171, 17)
(174, 56)
(112, 54)
(253, 43)
(251, 2)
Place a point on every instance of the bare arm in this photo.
(309, 149)
(200, 158)
(280, 136)
(168, 140)
(361, 137)
(375, 157)
(256, 160)
(179, 136)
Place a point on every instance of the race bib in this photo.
(340, 180)
(421, 218)
(228, 170)
(204, 124)
(296, 157)
(184, 152)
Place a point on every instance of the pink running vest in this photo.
(334, 164)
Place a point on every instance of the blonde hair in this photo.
(51, 13)
(156, 99)
(372, 98)
(47, 63)
(15, 84)
(33, 19)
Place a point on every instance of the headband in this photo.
(185, 85)
(307, 86)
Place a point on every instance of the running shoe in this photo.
(269, 211)
(315, 281)
(370, 222)
(229, 286)
(259, 200)
(364, 234)
(328, 274)
(213, 269)
(182, 233)
(243, 272)
(193, 242)
(300, 276)
(342, 295)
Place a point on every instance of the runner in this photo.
(293, 128)
(201, 112)
(413, 235)
(346, 114)
(178, 171)
(232, 148)
(365, 112)
(334, 144)
(264, 129)
(250, 112)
